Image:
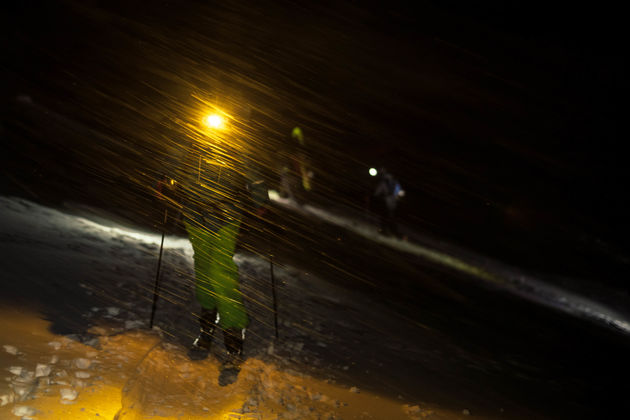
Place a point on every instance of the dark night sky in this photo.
(502, 121)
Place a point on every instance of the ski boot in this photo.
(233, 339)
(201, 346)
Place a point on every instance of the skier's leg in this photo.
(218, 284)
(383, 219)
(204, 293)
(233, 339)
(200, 240)
(392, 225)
(201, 345)
(232, 316)
(224, 274)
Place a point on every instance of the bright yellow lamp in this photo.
(214, 121)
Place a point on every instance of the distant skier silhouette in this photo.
(388, 192)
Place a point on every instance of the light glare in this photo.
(214, 121)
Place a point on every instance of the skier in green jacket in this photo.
(215, 192)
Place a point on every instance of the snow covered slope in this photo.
(605, 306)
(77, 297)
(76, 301)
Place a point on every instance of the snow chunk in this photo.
(54, 359)
(22, 410)
(23, 390)
(132, 325)
(82, 363)
(82, 374)
(79, 383)
(42, 370)
(6, 399)
(10, 349)
(16, 370)
(55, 345)
(24, 384)
(113, 311)
(68, 394)
(355, 390)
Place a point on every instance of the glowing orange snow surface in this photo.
(136, 375)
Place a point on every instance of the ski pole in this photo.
(156, 289)
(273, 292)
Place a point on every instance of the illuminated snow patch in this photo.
(171, 242)
(21, 218)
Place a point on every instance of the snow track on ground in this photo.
(488, 271)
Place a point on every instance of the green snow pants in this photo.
(216, 274)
